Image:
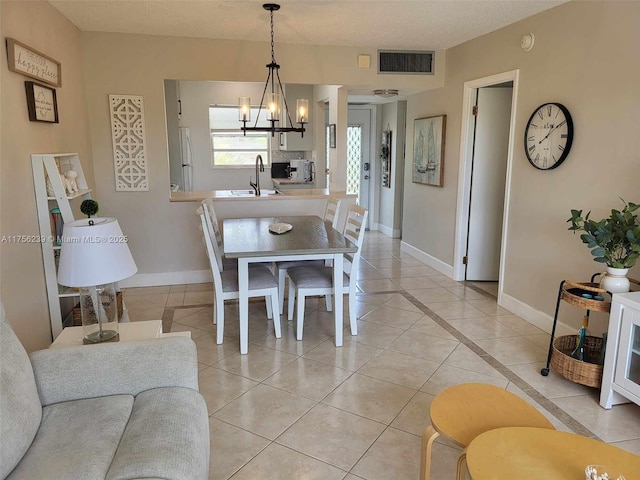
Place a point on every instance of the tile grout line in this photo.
(512, 377)
(543, 401)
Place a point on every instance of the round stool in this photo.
(463, 412)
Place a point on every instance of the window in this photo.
(230, 147)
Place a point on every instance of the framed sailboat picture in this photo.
(428, 150)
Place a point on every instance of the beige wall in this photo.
(585, 56)
(41, 27)
(164, 236)
(392, 115)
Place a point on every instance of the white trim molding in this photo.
(540, 319)
(432, 262)
(464, 175)
(167, 278)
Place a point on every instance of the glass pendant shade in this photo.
(274, 103)
(273, 106)
(244, 109)
(302, 110)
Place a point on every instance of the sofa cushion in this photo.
(167, 437)
(21, 409)
(76, 440)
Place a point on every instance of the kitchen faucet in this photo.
(259, 168)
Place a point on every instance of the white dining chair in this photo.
(332, 211)
(262, 283)
(213, 227)
(331, 214)
(318, 280)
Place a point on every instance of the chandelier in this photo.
(273, 98)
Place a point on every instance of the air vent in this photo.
(405, 62)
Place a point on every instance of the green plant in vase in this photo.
(613, 240)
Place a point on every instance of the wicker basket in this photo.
(584, 373)
(77, 311)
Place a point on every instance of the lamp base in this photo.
(100, 337)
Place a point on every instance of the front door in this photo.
(359, 160)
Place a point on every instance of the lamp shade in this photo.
(94, 254)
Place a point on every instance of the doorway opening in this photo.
(486, 157)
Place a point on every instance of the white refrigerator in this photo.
(185, 159)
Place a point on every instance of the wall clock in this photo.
(548, 136)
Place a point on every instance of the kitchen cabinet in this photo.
(292, 141)
(51, 194)
(621, 374)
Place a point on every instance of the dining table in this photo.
(529, 453)
(250, 240)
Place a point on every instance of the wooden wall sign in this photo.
(27, 61)
(41, 103)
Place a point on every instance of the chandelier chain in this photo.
(273, 55)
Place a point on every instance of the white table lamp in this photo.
(94, 255)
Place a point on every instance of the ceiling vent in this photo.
(405, 62)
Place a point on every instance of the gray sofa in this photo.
(110, 411)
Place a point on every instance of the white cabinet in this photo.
(292, 141)
(621, 374)
(46, 173)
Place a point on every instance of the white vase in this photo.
(615, 280)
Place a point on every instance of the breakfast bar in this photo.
(243, 203)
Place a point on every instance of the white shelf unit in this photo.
(50, 166)
(621, 373)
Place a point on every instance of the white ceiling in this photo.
(379, 24)
(384, 24)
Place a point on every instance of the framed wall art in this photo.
(129, 143)
(31, 63)
(41, 103)
(332, 135)
(428, 150)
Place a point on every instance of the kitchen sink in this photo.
(250, 193)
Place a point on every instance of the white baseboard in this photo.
(388, 231)
(535, 317)
(433, 262)
(167, 278)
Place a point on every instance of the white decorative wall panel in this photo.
(129, 145)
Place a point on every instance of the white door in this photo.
(359, 161)
(488, 179)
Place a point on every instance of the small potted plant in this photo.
(614, 240)
(89, 207)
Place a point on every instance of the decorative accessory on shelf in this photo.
(94, 255)
(614, 240)
(578, 352)
(273, 100)
(615, 280)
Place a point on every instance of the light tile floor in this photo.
(294, 410)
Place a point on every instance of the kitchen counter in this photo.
(288, 181)
(248, 195)
(244, 204)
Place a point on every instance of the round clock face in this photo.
(548, 136)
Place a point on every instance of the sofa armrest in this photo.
(72, 373)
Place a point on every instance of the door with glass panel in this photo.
(359, 161)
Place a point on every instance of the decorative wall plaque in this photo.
(129, 145)
(32, 63)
